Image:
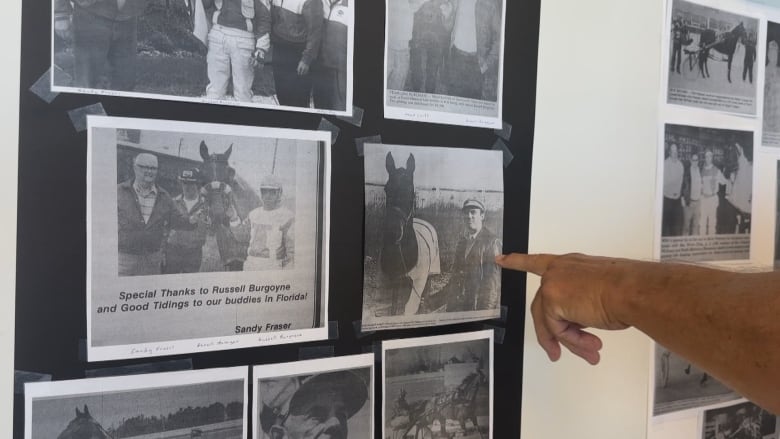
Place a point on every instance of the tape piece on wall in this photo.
(504, 314)
(333, 330)
(315, 352)
(500, 145)
(356, 118)
(42, 87)
(21, 377)
(78, 116)
(498, 333)
(326, 125)
(357, 325)
(505, 132)
(139, 369)
(361, 141)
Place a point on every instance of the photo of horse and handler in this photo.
(189, 203)
(433, 226)
(712, 60)
(438, 391)
(141, 406)
(287, 54)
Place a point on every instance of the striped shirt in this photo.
(146, 200)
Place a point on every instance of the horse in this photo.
(228, 203)
(726, 43)
(84, 426)
(410, 246)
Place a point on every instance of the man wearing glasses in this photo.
(145, 213)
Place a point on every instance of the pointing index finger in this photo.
(536, 264)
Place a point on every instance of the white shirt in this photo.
(464, 34)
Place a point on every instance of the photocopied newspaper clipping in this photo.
(204, 237)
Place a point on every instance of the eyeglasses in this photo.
(147, 168)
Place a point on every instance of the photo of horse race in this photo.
(739, 421)
(198, 231)
(712, 61)
(285, 54)
(433, 227)
(208, 404)
(681, 385)
(438, 387)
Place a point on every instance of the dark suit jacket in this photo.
(477, 277)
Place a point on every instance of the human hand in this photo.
(303, 68)
(62, 27)
(258, 58)
(577, 292)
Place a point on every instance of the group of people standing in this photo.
(692, 193)
(305, 41)
(449, 47)
(162, 234)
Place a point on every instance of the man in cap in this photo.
(311, 407)
(476, 279)
(271, 241)
(184, 249)
(145, 213)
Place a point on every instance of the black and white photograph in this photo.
(293, 55)
(199, 232)
(707, 193)
(444, 61)
(738, 421)
(771, 132)
(433, 227)
(712, 60)
(680, 385)
(439, 386)
(325, 398)
(777, 218)
(207, 404)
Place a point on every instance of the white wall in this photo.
(593, 192)
(10, 35)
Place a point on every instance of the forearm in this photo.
(722, 321)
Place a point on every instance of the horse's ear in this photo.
(390, 163)
(204, 151)
(78, 413)
(410, 163)
(228, 152)
(86, 410)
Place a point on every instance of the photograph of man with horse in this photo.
(698, 35)
(208, 404)
(213, 231)
(217, 218)
(433, 229)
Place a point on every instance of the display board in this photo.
(52, 271)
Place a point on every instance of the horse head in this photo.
(219, 177)
(215, 166)
(399, 241)
(84, 426)
(399, 197)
